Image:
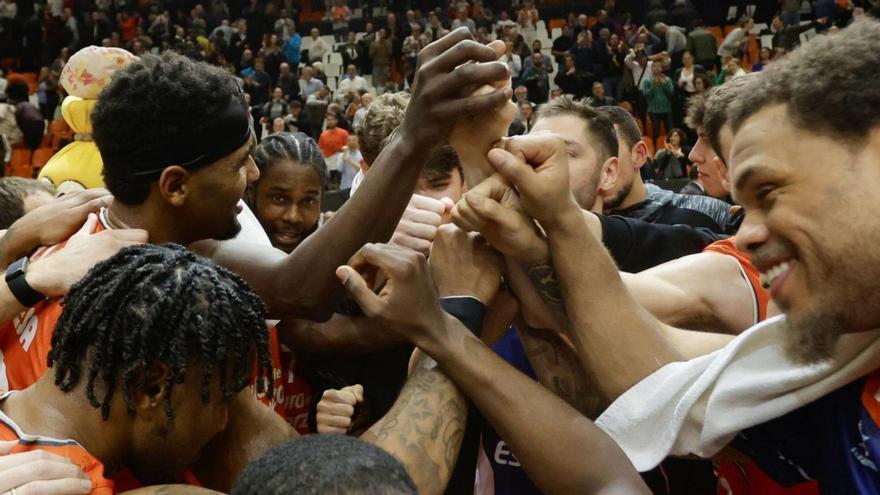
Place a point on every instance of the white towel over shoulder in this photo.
(698, 406)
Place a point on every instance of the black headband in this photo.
(220, 135)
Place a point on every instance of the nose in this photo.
(696, 155)
(752, 233)
(292, 215)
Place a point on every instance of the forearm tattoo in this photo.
(424, 428)
(545, 280)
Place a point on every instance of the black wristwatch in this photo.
(19, 286)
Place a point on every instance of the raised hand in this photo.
(493, 209)
(537, 166)
(462, 264)
(336, 409)
(442, 76)
(419, 222)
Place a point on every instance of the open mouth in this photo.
(774, 277)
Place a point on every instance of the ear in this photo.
(723, 172)
(173, 185)
(148, 396)
(610, 172)
(639, 154)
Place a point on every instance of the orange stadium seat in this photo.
(20, 165)
(556, 23)
(40, 157)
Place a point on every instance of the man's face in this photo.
(582, 160)
(777, 23)
(212, 203)
(288, 203)
(331, 121)
(811, 226)
(315, 33)
(703, 157)
(352, 71)
(154, 436)
(522, 94)
(451, 187)
(598, 91)
(278, 93)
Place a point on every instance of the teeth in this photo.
(770, 275)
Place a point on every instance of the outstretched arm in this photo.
(302, 284)
(560, 449)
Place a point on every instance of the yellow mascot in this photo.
(78, 165)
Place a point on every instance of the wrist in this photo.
(563, 216)
(435, 338)
(39, 277)
(18, 241)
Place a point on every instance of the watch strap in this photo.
(19, 286)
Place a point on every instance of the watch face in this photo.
(17, 268)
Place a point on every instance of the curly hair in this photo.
(383, 116)
(159, 304)
(291, 146)
(717, 105)
(823, 85)
(149, 103)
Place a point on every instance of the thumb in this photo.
(508, 166)
(358, 391)
(88, 227)
(7, 446)
(448, 204)
(356, 286)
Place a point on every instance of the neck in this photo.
(636, 195)
(43, 409)
(157, 224)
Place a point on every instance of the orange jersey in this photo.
(66, 448)
(762, 297)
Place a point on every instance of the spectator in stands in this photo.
(258, 83)
(287, 82)
(297, 120)
(316, 107)
(703, 46)
(581, 24)
(765, 56)
(675, 40)
(311, 84)
(656, 13)
(563, 44)
(413, 44)
(287, 197)
(27, 117)
(732, 68)
(526, 120)
(380, 53)
(514, 63)
(536, 48)
(351, 52)
(318, 72)
(537, 80)
(462, 19)
(612, 56)
(284, 26)
(503, 23)
(333, 139)
(571, 80)
(658, 95)
(278, 125)
(603, 21)
(555, 93)
(736, 43)
(598, 98)
(582, 52)
(277, 107)
(366, 99)
(351, 83)
(341, 122)
(352, 161)
(483, 16)
(671, 161)
(683, 14)
(520, 96)
(694, 186)
(435, 29)
(319, 47)
(791, 12)
(272, 56)
(627, 28)
(527, 17)
(341, 15)
(684, 78)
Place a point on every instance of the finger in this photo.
(6, 446)
(483, 76)
(357, 287)
(419, 230)
(12, 461)
(472, 105)
(444, 44)
(78, 198)
(335, 408)
(332, 430)
(358, 391)
(87, 228)
(448, 204)
(395, 261)
(495, 187)
(39, 470)
(425, 203)
(343, 396)
(499, 46)
(511, 167)
(422, 216)
(65, 486)
(464, 51)
(332, 421)
(535, 148)
(416, 244)
(466, 217)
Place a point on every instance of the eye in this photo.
(764, 194)
(439, 185)
(277, 198)
(310, 201)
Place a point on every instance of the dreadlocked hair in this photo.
(165, 304)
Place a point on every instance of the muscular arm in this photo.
(424, 428)
(561, 450)
(340, 334)
(704, 291)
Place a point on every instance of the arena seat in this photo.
(40, 157)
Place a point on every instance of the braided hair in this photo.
(165, 304)
(296, 147)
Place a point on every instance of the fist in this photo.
(419, 222)
(336, 409)
(462, 264)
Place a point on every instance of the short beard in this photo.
(621, 195)
(230, 233)
(812, 338)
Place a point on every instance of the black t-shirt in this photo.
(637, 245)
